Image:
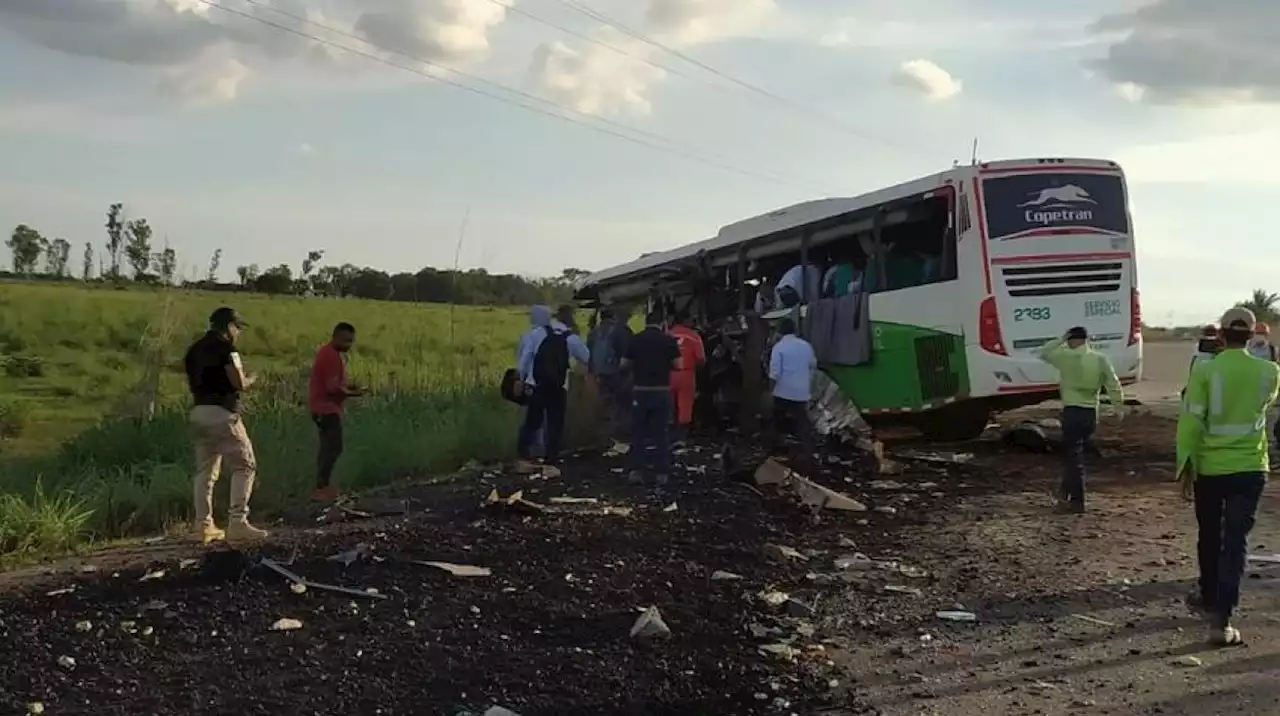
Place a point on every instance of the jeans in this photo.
(793, 416)
(330, 425)
(1226, 507)
(546, 408)
(650, 431)
(1078, 425)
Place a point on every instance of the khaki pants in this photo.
(220, 436)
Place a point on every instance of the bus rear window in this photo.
(1037, 204)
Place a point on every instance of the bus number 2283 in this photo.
(1036, 313)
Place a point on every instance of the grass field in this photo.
(76, 461)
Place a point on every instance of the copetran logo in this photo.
(1059, 204)
(1031, 204)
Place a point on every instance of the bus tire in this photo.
(955, 424)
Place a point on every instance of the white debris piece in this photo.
(956, 616)
(720, 575)
(499, 711)
(460, 570)
(286, 624)
(67, 663)
(650, 625)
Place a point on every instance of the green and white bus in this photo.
(1017, 251)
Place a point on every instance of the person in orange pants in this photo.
(684, 382)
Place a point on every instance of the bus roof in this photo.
(732, 236)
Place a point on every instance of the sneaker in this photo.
(208, 533)
(1221, 633)
(325, 494)
(242, 531)
(550, 472)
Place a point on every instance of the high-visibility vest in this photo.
(1223, 425)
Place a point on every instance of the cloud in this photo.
(1193, 52)
(927, 78)
(595, 79)
(446, 31)
(1229, 158)
(202, 54)
(592, 78)
(692, 22)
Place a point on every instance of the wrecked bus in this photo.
(961, 277)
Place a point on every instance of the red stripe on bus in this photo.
(1069, 231)
(982, 232)
(1052, 168)
(1062, 257)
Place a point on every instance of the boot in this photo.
(207, 533)
(1221, 633)
(241, 531)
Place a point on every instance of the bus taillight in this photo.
(1135, 317)
(989, 336)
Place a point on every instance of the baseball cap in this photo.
(226, 316)
(1239, 318)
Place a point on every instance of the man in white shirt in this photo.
(791, 365)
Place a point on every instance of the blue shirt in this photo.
(529, 349)
(791, 366)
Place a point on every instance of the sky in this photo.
(586, 132)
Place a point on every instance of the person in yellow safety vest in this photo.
(1083, 372)
(1222, 462)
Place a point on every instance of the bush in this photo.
(24, 366)
(13, 418)
(43, 523)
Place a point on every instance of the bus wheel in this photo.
(961, 422)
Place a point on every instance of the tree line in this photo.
(127, 255)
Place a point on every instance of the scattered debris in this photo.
(298, 587)
(60, 592)
(618, 450)
(772, 472)
(650, 626)
(35, 708)
(783, 553)
(887, 485)
(359, 553)
(957, 616)
(887, 510)
(84, 627)
(720, 576)
(67, 663)
(186, 563)
(458, 570)
(574, 501)
(818, 498)
(945, 458)
(499, 711)
(152, 576)
(515, 503)
(286, 624)
(857, 562)
(1092, 620)
(154, 540)
(773, 598)
(780, 651)
(1265, 558)
(671, 507)
(900, 589)
(1189, 662)
(294, 578)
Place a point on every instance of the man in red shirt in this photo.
(326, 395)
(684, 381)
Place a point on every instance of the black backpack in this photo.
(508, 388)
(551, 363)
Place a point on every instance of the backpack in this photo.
(551, 363)
(604, 356)
(508, 388)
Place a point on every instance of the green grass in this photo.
(75, 463)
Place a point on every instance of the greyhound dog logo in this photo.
(1065, 195)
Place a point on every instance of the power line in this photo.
(655, 141)
(792, 105)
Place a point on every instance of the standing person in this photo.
(1083, 372)
(608, 344)
(539, 319)
(327, 395)
(567, 317)
(1223, 461)
(791, 365)
(1207, 346)
(544, 371)
(651, 357)
(684, 382)
(216, 379)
